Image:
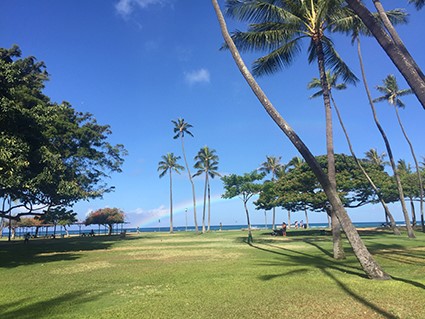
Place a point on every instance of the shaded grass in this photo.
(215, 275)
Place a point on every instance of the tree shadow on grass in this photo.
(359, 298)
(14, 254)
(46, 308)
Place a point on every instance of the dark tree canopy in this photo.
(107, 217)
(50, 154)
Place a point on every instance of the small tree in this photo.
(107, 217)
(58, 215)
(245, 188)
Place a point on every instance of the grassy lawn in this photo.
(215, 275)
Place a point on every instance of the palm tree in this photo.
(279, 27)
(391, 94)
(206, 162)
(272, 165)
(332, 82)
(368, 263)
(397, 53)
(180, 129)
(374, 157)
(168, 164)
(355, 27)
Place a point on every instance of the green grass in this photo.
(216, 275)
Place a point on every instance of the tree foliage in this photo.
(107, 217)
(50, 154)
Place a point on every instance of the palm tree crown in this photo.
(271, 165)
(168, 164)
(206, 162)
(181, 128)
(391, 92)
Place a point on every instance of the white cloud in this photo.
(198, 76)
(126, 7)
(155, 212)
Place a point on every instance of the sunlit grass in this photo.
(215, 275)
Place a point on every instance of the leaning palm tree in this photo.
(279, 27)
(180, 129)
(206, 162)
(333, 85)
(391, 94)
(355, 27)
(168, 164)
(272, 165)
(368, 263)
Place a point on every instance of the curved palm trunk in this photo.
(193, 188)
(336, 228)
(412, 210)
(205, 203)
(406, 66)
(409, 228)
(171, 203)
(418, 172)
(388, 214)
(395, 37)
(368, 263)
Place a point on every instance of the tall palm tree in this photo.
(272, 165)
(206, 162)
(279, 27)
(168, 164)
(404, 63)
(391, 94)
(355, 27)
(368, 263)
(180, 129)
(374, 157)
(333, 85)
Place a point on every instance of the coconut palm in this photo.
(180, 129)
(333, 85)
(168, 164)
(279, 27)
(355, 27)
(395, 50)
(374, 157)
(368, 263)
(206, 162)
(391, 94)
(272, 165)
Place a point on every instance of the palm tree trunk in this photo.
(171, 203)
(209, 207)
(193, 187)
(289, 219)
(410, 232)
(412, 209)
(336, 227)
(418, 172)
(395, 37)
(368, 263)
(405, 65)
(306, 218)
(205, 203)
(388, 214)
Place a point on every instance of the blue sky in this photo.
(138, 64)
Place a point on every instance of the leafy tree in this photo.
(107, 217)
(58, 216)
(392, 95)
(410, 185)
(206, 162)
(50, 155)
(180, 129)
(245, 187)
(168, 164)
(393, 47)
(272, 165)
(368, 263)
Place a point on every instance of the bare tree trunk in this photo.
(410, 232)
(388, 214)
(193, 188)
(418, 171)
(248, 221)
(406, 66)
(209, 207)
(205, 203)
(171, 204)
(368, 263)
(289, 219)
(412, 209)
(336, 227)
(306, 218)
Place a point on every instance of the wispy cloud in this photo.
(126, 7)
(198, 76)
